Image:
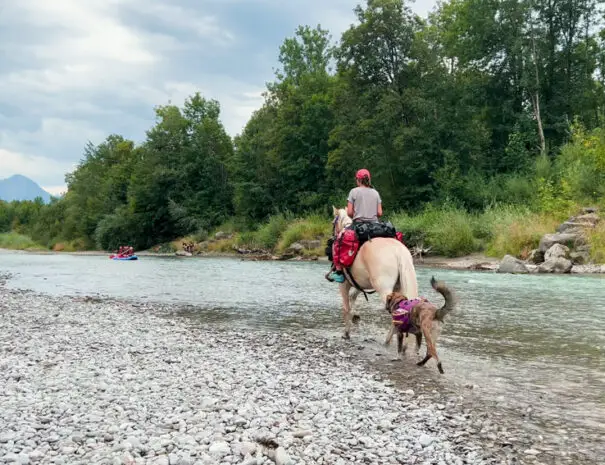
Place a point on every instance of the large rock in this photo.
(556, 251)
(579, 223)
(536, 257)
(588, 219)
(570, 227)
(579, 257)
(556, 265)
(312, 244)
(510, 264)
(222, 235)
(297, 247)
(588, 269)
(569, 239)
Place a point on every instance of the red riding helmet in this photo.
(362, 173)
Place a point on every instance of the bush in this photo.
(448, 230)
(223, 246)
(516, 230)
(268, 235)
(15, 241)
(117, 229)
(200, 236)
(310, 228)
(581, 164)
(596, 239)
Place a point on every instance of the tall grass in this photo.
(15, 241)
(447, 229)
(277, 234)
(268, 235)
(515, 230)
(310, 228)
(596, 239)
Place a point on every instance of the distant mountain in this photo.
(19, 187)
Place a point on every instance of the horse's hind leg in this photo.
(353, 299)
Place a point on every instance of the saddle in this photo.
(344, 247)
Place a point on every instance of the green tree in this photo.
(281, 156)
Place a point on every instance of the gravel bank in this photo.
(102, 382)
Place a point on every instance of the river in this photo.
(532, 346)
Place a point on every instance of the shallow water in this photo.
(523, 342)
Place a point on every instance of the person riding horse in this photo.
(363, 205)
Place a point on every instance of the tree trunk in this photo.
(536, 94)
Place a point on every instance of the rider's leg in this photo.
(336, 275)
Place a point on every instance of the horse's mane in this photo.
(343, 218)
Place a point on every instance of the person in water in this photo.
(363, 205)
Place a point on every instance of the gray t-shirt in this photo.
(365, 202)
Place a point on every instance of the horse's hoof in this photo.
(346, 336)
(440, 368)
(355, 319)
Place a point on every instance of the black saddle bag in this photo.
(329, 248)
(367, 231)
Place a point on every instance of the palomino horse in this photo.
(382, 264)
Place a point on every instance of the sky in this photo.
(73, 71)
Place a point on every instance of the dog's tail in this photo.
(448, 295)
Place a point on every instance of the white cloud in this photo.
(76, 53)
(53, 134)
(205, 26)
(33, 166)
(78, 70)
(56, 191)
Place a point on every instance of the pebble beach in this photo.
(95, 381)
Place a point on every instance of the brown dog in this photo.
(419, 317)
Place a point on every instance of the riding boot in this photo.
(336, 276)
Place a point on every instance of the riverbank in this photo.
(445, 236)
(507, 413)
(475, 262)
(122, 384)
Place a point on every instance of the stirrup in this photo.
(336, 277)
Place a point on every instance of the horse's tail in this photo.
(448, 295)
(408, 284)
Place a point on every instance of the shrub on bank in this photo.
(448, 230)
(519, 236)
(16, 241)
(596, 239)
(310, 228)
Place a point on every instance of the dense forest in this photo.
(485, 104)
